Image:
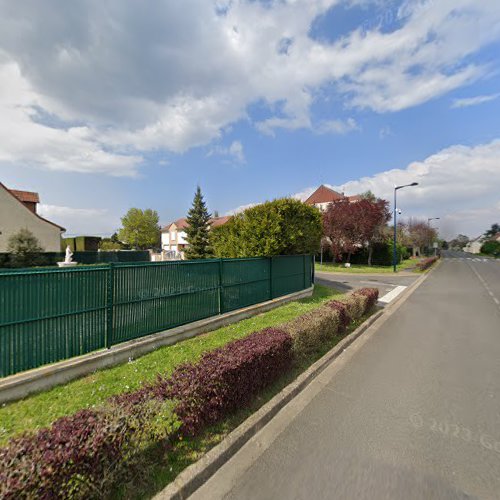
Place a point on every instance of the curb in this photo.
(194, 476)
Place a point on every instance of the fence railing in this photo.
(48, 315)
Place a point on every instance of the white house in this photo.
(474, 246)
(173, 235)
(18, 210)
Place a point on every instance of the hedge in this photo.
(86, 454)
(426, 263)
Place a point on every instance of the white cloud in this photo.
(26, 140)
(173, 76)
(81, 221)
(234, 151)
(338, 126)
(474, 101)
(458, 184)
(241, 208)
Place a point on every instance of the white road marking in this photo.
(486, 286)
(388, 297)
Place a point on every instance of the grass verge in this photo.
(362, 269)
(40, 410)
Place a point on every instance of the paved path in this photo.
(409, 412)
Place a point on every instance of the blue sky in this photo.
(109, 105)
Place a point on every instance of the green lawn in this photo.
(361, 268)
(41, 409)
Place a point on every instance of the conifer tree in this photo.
(197, 231)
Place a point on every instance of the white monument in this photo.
(68, 261)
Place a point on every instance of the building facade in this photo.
(174, 237)
(18, 210)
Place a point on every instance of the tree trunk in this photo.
(349, 257)
(370, 252)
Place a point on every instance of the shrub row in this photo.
(82, 455)
(426, 263)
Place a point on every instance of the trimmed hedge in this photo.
(371, 294)
(82, 455)
(87, 454)
(426, 263)
(311, 330)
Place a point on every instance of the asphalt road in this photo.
(346, 282)
(411, 411)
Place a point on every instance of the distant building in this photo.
(474, 246)
(18, 210)
(173, 235)
(324, 196)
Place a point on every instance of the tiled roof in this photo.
(25, 196)
(324, 195)
(182, 223)
(219, 221)
(355, 197)
(13, 192)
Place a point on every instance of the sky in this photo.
(111, 104)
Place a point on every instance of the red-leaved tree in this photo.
(354, 225)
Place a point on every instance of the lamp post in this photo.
(429, 226)
(394, 252)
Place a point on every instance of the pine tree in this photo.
(197, 231)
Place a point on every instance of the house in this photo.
(18, 210)
(173, 235)
(474, 246)
(324, 196)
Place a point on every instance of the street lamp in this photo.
(429, 226)
(394, 253)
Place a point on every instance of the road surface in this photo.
(410, 412)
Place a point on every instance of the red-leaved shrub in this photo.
(341, 307)
(372, 296)
(226, 379)
(426, 263)
(83, 455)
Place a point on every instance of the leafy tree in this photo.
(351, 226)
(491, 248)
(140, 228)
(459, 242)
(197, 236)
(112, 243)
(280, 227)
(494, 229)
(421, 235)
(25, 249)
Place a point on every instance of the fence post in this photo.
(110, 297)
(271, 277)
(221, 297)
(313, 263)
(304, 271)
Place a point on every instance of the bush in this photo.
(82, 455)
(341, 308)
(426, 263)
(25, 249)
(491, 248)
(311, 330)
(279, 227)
(356, 306)
(226, 379)
(372, 296)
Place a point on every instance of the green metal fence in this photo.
(48, 315)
